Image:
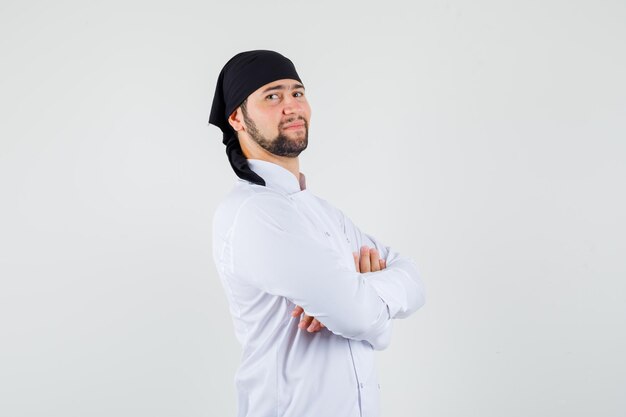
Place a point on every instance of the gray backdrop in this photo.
(486, 140)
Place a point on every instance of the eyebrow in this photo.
(282, 87)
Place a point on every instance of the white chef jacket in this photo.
(278, 246)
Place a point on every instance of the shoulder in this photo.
(248, 201)
(243, 194)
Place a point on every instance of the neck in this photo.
(290, 164)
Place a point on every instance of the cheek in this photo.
(307, 110)
(267, 120)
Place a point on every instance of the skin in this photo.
(263, 127)
(268, 114)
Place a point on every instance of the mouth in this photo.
(293, 126)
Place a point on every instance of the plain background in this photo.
(484, 139)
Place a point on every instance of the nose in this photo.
(291, 105)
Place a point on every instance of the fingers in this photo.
(375, 260)
(311, 324)
(297, 311)
(315, 326)
(356, 261)
(308, 322)
(305, 322)
(365, 263)
(369, 260)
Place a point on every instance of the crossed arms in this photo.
(292, 264)
(367, 260)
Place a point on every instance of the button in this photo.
(362, 385)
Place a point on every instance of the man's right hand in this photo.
(367, 261)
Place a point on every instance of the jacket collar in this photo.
(277, 177)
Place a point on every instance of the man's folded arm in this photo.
(401, 286)
(273, 249)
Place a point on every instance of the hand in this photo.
(311, 324)
(368, 261)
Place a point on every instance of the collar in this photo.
(277, 177)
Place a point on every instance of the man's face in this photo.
(276, 116)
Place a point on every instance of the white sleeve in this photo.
(273, 250)
(402, 288)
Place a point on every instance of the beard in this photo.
(281, 145)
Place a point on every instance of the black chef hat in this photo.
(241, 76)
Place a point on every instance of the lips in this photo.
(294, 125)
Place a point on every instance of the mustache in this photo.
(286, 122)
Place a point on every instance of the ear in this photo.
(236, 120)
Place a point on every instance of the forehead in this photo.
(284, 84)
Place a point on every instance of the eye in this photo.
(299, 92)
(271, 96)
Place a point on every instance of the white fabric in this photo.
(279, 246)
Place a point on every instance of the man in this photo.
(282, 253)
